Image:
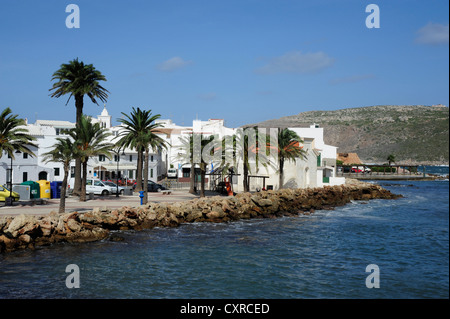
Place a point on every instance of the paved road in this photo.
(73, 204)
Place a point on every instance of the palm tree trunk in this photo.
(281, 173)
(202, 179)
(145, 199)
(139, 172)
(192, 178)
(83, 182)
(62, 200)
(246, 186)
(77, 182)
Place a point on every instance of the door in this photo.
(42, 176)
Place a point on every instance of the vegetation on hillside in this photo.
(414, 133)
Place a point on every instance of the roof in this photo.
(33, 130)
(64, 124)
(349, 158)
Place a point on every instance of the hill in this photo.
(415, 134)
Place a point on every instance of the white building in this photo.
(27, 168)
(316, 170)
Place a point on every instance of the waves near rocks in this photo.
(29, 232)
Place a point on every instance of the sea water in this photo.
(323, 255)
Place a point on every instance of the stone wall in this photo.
(27, 231)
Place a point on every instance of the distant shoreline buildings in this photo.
(316, 170)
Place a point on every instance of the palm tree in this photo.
(246, 148)
(90, 140)
(154, 142)
(78, 79)
(187, 155)
(139, 132)
(13, 135)
(208, 146)
(63, 152)
(289, 149)
(391, 159)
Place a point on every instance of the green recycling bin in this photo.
(45, 188)
(34, 189)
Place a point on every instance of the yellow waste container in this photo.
(44, 187)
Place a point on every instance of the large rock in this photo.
(22, 224)
(73, 225)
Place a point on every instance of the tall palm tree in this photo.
(63, 152)
(208, 147)
(289, 149)
(13, 135)
(78, 79)
(90, 140)
(187, 155)
(154, 142)
(205, 148)
(246, 148)
(139, 133)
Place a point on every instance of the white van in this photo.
(95, 186)
(172, 173)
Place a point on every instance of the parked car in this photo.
(113, 187)
(367, 170)
(153, 187)
(172, 173)
(4, 193)
(356, 170)
(97, 187)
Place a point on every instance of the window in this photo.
(25, 155)
(72, 171)
(151, 158)
(116, 158)
(186, 172)
(56, 171)
(24, 176)
(101, 158)
(131, 158)
(151, 172)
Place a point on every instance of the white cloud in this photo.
(433, 33)
(297, 62)
(352, 79)
(173, 64)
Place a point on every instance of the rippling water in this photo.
(319, 256)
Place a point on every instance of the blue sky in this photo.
(244, 61)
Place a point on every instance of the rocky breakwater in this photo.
(27, 231)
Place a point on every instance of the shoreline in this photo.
(31, 231)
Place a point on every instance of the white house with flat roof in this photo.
(27, 168)
(317, 169)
